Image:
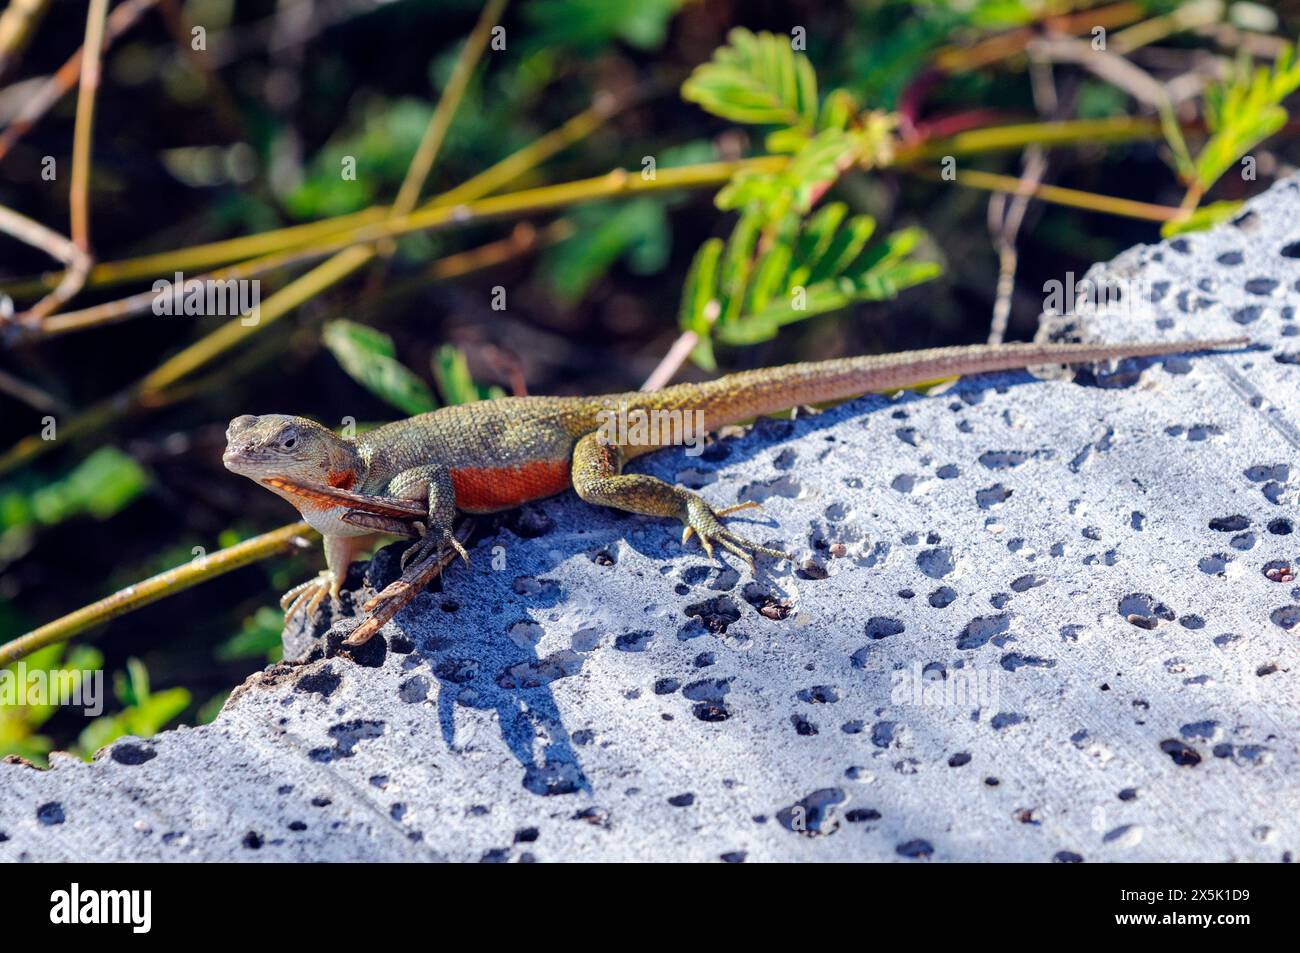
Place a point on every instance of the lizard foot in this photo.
(430, 544)
(307, 595)
(702, 520)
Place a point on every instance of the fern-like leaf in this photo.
(1243, 111)
(757, 79)
(746, 290)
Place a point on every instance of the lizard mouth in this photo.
(241, 461)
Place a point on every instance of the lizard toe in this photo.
(702, 520)
(308, 595)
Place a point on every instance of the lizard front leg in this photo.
(598, 478)
(340, 551)
(431, 482)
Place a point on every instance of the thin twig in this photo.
(672, 361)
(62, 82)
(955, 59)
(30, 394)
(1005, 218)
(1074, 198)
(282, 540)
(992, 139)
(434, 134)
(84, 131)
(436, 215)
(1120, 72)
(39, 236)
(1007, 214)
(18, 22)
(56, 246)
(79, 192)
(486, 182)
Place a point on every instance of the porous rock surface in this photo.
(1031, 620)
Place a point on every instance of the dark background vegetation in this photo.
(298, 84)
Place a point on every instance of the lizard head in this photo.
(292, 448)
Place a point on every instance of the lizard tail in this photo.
(737, 397)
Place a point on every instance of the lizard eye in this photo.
(289, 442)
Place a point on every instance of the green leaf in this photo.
(20, 724)
(881, 282)
(844, 248)
(798, 269)
(816, 239)
(145, 713)
(1207, 216)
(362, 166)
(368, 357)
(797, 186)
(101, 485)
(737, 265)
(757, 79)
(451, 371)
(1243, 111)
(700, 304)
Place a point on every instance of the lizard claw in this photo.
(307, 595)
(702, 520)
(430, 544)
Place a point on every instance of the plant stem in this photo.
(1046, 134)
(436, 132)
(485, 183)
(955, 59)
(84, 130)
(58, 85)
(997, 138)
(1074, 198)
(282, 540)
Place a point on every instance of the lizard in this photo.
(412, 477)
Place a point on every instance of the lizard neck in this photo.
(343, 466)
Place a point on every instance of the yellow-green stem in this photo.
(1074, 198)
(278, 541)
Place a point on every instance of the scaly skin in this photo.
(495, 455)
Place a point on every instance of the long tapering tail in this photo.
(737, 397)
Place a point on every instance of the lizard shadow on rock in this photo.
(477, 662)
(515, 685)
(484, 665)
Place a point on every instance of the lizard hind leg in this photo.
(599, 479)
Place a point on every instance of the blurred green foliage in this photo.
(451, 371)
(588, 25)
(258, 639)
(142, 713)
(370, 358)
(100, 486)
(1243, 111)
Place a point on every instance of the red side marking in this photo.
(486, 489)
(343, 479)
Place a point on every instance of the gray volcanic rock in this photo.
(1030, 620)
